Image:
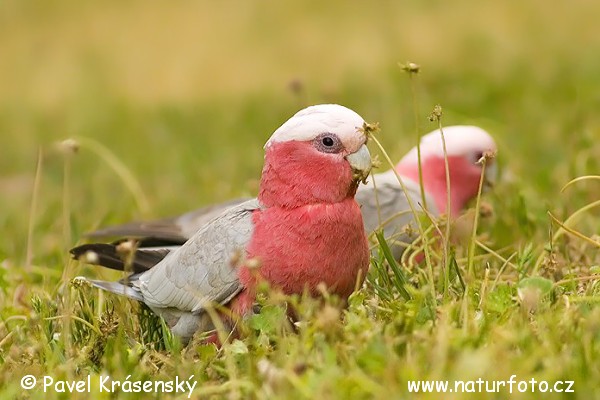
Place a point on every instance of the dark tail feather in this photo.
(165, 231)
(152, 241)
(108, 256)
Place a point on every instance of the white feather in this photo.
(460, 140)
(310, 122)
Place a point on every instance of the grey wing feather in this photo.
(115, 287)
(203, 270)
(384, 205)
(174, 229)
(189, 223)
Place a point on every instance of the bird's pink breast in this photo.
(301, 247)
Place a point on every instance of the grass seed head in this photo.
(80, 282)
(410, 67)
(296, 86)
(486, 209)
(486, 156)
(236, 260)
(436, 114)
(68, 146)
(328, 316)
(375, 161)
(126, 248)
(369, 129)
(90, 257)
(253, 263)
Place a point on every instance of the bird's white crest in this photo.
(310, 122)
(460, 140)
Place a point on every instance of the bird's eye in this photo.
(477, 156)
(328, 143)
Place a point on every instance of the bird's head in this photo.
(465, 148)
(319, 155)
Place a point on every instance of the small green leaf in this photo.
(535, 290)
(269, 320)
(544, 285)
(400, 279)
(237, 347)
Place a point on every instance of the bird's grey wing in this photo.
(204, 269)
(384, 205)
(172, 230)
(189, 223)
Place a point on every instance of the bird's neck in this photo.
(295, 174)
(463, 186)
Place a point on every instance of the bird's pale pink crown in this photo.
(313, 158)
(465, 145)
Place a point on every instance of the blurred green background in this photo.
(186, 93)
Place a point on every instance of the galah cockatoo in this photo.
(383, 202)
(303, 230)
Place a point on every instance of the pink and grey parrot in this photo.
(384, 204)
(303, 229)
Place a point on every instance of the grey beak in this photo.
(361, 163)
(491, 176)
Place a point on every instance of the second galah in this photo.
(383, 202)
(304, 230)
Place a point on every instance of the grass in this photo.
(185, 115)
